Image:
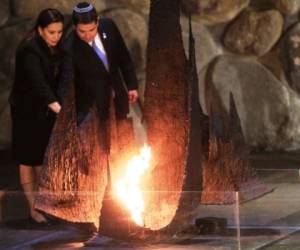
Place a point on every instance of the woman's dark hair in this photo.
(84, 13)
(48, 16)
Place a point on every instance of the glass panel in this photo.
(273, 218)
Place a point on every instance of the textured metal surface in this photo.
(74, 176)
(227, 169)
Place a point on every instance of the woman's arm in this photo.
(36, 77)
(55, 107)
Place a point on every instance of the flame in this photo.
(128, 188)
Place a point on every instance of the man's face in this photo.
(87, 32)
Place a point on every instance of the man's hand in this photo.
(133, 96)
(55, 107)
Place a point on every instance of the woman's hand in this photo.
(133, 96)
(55, 107)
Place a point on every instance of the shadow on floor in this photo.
(9, 171)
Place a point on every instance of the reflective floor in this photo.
(271, 221)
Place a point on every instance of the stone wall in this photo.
(252, 49)
(248, 47)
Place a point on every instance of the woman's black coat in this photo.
(35, 86)
(36, 79)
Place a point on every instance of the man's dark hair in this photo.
(84, 13)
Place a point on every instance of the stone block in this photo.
(4, 11)
(141, 6)
(13, 35)
(214, 11)
(31, 8)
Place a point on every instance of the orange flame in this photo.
(128, 189)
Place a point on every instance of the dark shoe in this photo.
(37, 217)
(38, 225)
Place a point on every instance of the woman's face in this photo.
(51, 33)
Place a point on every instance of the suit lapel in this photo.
(87, 54)
(105, 41)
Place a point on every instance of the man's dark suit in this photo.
(93, 83)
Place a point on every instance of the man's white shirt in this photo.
(99, 44)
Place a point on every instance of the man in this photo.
(101, 64)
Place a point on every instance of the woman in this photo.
(34, 100)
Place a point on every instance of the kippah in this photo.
(83, 10)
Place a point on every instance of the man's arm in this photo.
(133, 96)
(126, 66)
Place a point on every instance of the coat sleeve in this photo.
(66, 75)
(35, 74)
(125, 62)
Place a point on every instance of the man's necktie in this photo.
(101, 55)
